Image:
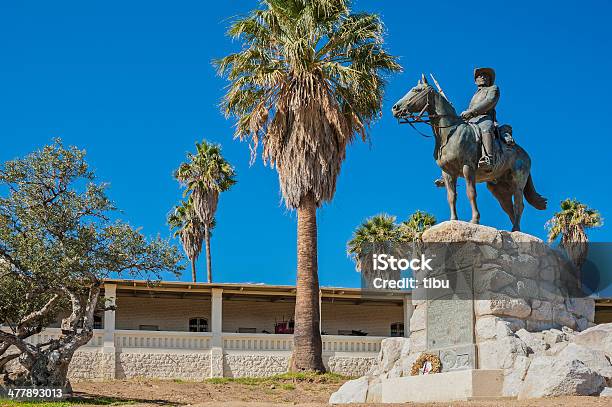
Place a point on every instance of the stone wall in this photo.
(92, 365)
(186, 366)
(97, 365)
(248, 365)
(350, 366)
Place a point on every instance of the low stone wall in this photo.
(186, 366)
(89, 364)
(248, 365)
(350, 366)
(96, 365)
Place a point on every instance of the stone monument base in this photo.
(451, 386)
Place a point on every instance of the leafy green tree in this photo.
(57, 244)
(190, 230)
(206, 174)
(571, 223)
(307, 81)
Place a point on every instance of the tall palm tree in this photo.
(307, 80)
(571, 223)
(189, 229)
(206, 174)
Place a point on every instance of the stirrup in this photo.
(485, 162)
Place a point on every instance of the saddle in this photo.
(503, 140)
(503, 134)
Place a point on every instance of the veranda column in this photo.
(408, 310)
(216, 316)
(320, 312)
(108, 350)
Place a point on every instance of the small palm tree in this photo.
(206, 174)
(571, 223)
(375, 235)
(306, 82)
(189, 229)
(417, 223)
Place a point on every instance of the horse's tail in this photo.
(531, 195)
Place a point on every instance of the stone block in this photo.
(353, 391)
(513, 377)
(443, 387)
(418, 319)
(525, 266)
(593, 359)
(541, 310)
(549, 376)
(492, 278)
(502, 305)
(563, 318)
(418, 341)
(534, 341)
(527, 288)
(458, 231)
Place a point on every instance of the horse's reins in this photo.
(412, 119)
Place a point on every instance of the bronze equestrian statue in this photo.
(481, 112)
(462, 144)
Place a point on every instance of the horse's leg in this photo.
(518, 208)
(469, 174)
(451, 193)
(504, 196)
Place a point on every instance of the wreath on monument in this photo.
(426, 364)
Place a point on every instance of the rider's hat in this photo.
(486, 71)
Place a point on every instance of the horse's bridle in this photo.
(411, 119)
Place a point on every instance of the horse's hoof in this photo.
(516, 229)
(475, 221)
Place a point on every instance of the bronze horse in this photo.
(458, 150)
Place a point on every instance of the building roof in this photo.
(250, 289)
(267, 290)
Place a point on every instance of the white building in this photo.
(199, 330)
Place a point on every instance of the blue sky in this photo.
(132, 83)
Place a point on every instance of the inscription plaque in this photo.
(450, 320)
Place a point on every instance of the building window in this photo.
(397, 329)
(98, 322)
(198, 325)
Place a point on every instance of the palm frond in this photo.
(309, 78)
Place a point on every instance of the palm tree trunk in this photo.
(208, 256)
(307, 346)
(193, 269)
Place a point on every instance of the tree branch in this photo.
(40, 313)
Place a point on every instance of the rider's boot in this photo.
(487, 161)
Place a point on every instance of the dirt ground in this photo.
(151, 393)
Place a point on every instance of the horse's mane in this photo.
(447, 106)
